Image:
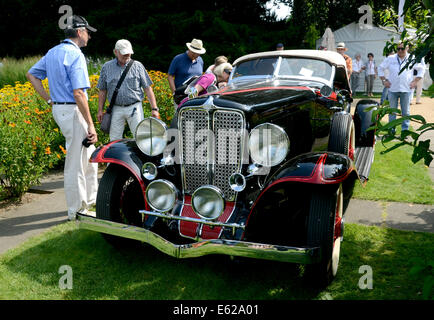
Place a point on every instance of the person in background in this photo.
(399, 84)
(217, 61)
(419, 84)
(128, 104)
(371, 74)
(358, 67)
(340, 48)
(322, 48)
(186, 65)
(65, 67)
(219, 77)
(280, 46)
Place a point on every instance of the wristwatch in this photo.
(49, 101)
(154, 109)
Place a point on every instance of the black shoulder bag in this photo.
(107, 117)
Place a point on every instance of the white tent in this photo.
(363, 41)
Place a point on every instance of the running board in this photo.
(364, 159)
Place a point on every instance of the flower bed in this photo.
(31, 142)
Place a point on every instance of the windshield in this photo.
(284, 67)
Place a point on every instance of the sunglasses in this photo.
(401, 48)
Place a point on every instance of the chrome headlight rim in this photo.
(138, 137)
(149, 171)
(173, 194)
(220, 198)
(276, 161)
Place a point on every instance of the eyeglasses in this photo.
(401, 48)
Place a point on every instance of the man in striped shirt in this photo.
(128, 104)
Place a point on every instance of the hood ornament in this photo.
(209, 104)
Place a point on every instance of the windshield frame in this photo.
(275, 74)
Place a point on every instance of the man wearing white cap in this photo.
(128, 103)
(186, 65)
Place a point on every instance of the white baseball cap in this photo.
(124, 47)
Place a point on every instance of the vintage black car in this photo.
(263, 168)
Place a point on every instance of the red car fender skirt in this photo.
(124, 153)
(313, 168)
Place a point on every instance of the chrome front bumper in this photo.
(204, 247)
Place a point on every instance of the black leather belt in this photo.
(64, 102)
(125, 105)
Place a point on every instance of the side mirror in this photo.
(326, 91)
(344, 96)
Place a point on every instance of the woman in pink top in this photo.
(218, 77)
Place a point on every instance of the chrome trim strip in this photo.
(201, 221)
(201, 248)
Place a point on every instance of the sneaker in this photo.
(72, 216)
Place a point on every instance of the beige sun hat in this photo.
(341, 45)
(196, 46)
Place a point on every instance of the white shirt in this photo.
(357, 65)
(370, 67)
(399, 83)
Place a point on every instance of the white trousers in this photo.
(132, 114)
(80, 176)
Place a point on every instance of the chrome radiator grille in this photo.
(211, 148)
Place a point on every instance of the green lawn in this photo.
(31, 271)
(394, 177)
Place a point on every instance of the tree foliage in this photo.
(158, 30)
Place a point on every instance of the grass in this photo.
(31, 271)
(13, 70)
(394, 177)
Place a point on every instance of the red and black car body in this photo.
(263, 168)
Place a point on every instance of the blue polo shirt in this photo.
(66, 69)
(183, 68)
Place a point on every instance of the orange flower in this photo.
(27, 121)
(47, 150)
(13, 125)
(63, 149)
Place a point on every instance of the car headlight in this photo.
(208, 202)
(161, 195)
(268, 144)
(151, 136)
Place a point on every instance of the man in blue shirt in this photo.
(68, 79)
(186, 65)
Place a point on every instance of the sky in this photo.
(282, 11)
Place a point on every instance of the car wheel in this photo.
(342, 135)
(324, 230)
(119, 199)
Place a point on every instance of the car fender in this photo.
(319, 168)
(124, 153)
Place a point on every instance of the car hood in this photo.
(254, 96)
